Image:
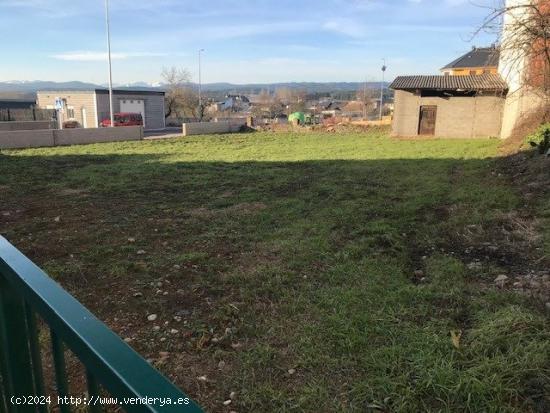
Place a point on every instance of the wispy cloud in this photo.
(346, 26)
(91, 56)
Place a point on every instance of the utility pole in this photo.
(200, 85)
(382, 87)
(107, 20)
(365, 100)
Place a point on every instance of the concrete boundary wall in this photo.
(53, 137)
(26, 139)
(25, 125)
(206, 128)
(97, 135)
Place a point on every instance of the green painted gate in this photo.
(112, 368)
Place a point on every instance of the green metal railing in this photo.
(111, 366)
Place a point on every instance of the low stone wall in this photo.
(206, 128)
(25, 125)
(54, 137)
(26, 139)
(96, 135)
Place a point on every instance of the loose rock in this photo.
(501, 280)
(474, 266)
(152, 317)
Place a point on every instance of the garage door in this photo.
(133, 106)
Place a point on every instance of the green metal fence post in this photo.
(58, 353)
(36, 357)
(93, 393)
(16, 347)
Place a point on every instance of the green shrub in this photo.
(541, 139)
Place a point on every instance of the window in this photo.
(70, 112)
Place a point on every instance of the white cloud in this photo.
(348, 27)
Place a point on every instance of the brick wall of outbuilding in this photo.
(457, 117)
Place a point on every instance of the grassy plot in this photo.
(305, 272)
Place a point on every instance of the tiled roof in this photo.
(482, 82)
(477, 57)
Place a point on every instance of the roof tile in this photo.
(482, 82)
(477, 57)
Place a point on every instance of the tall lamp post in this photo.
(382, 87)
(365, 99)
(200, 85)
(107, 21)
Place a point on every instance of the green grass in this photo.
(294, 251)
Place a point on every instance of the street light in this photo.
(382, 88)
(365, 99)
(200, 85)
(107, 20)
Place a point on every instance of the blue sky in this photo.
(245, 41)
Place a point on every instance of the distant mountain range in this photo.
(23, 89)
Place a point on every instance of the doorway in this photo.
(428, 116)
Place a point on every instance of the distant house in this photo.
(355, 109)
(235, 103)
(90, 107)
(449, 106)
(478, 61)
(330, 109)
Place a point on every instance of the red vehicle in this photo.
(124, 119)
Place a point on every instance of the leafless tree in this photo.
(268, 106)
(293, 99)
(181, 99)
(368, 97)
(524, 32)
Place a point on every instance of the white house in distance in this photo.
(90, 107)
